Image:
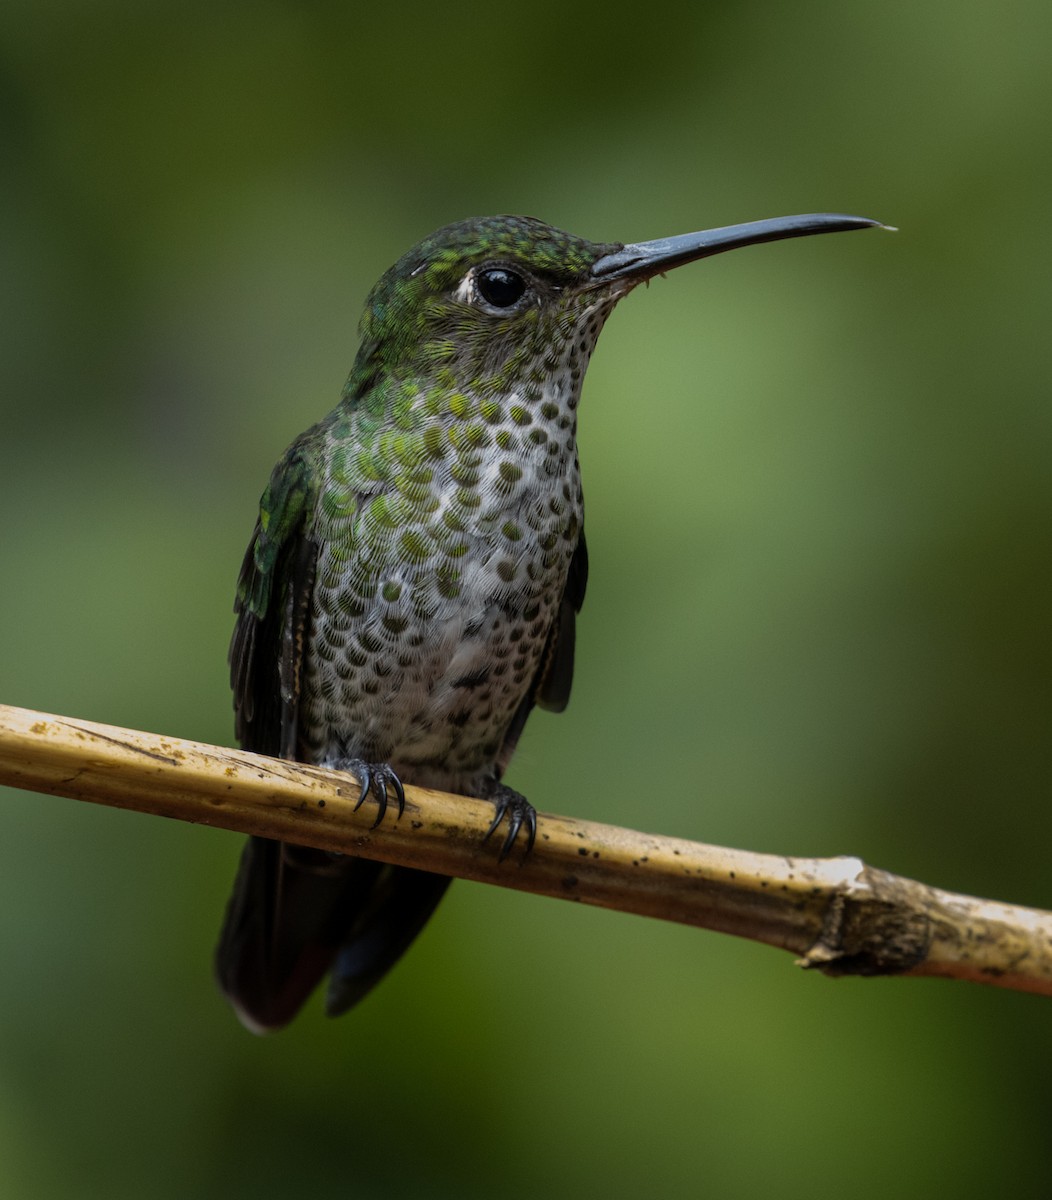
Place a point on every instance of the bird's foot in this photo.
(380, 779)
(520, 813)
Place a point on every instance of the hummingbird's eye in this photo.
(500, 287)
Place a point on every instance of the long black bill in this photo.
(644, 259)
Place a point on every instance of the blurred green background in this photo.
(819, 508)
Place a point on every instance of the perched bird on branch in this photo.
(412, 586)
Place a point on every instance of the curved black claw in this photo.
(377, 778)
(519, 812)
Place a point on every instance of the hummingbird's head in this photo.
(499, 303)
(482, 302)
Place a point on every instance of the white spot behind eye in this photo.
(465, 289)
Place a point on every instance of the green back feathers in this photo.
(282, 508)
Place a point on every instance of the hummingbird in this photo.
(413, 581)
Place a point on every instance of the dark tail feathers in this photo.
(296, 914)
